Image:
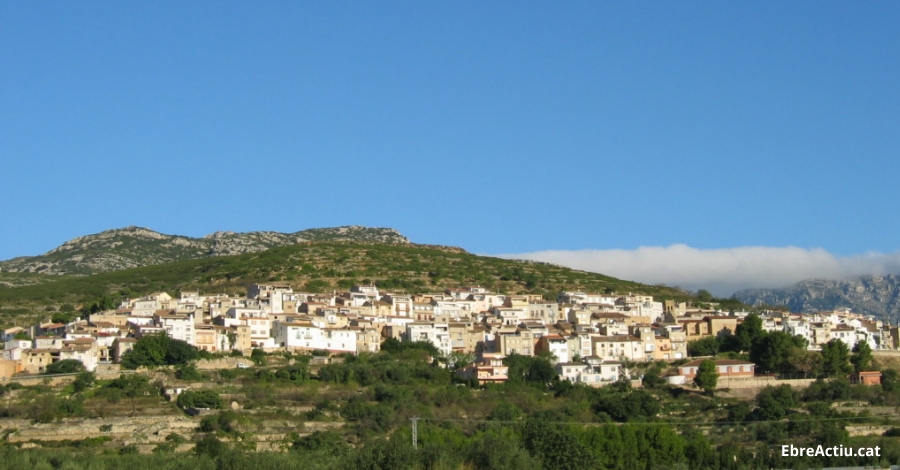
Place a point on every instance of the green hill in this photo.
(314, 267)
(133, 247)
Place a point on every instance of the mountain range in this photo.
(871, 295)
(133, 247)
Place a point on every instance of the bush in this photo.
(189, 372)
(210, 446)
(66, 366)
(223, 421)
(158, 350)
(83, 381)
(330, 442)
(258, 356)
(200, 399)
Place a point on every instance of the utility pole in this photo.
(415, 432)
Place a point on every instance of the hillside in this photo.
(871, 295)
(133, 247)
(318, 267)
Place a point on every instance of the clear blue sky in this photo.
(500, 127)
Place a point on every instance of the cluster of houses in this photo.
(589, 335)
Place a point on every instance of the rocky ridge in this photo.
(132, 247)
(871, 295)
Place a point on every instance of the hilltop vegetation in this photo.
(323, 267)
(133, 247)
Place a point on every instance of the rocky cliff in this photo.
(133, 247)
(872, 295)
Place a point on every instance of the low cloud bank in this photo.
(720, 271)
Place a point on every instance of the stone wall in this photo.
(223, 363)
(760, 382)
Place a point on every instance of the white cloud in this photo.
(721, 271)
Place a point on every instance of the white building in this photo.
(306, 335)
(436, 334)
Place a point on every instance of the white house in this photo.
(306, 335)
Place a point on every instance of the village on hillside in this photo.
(591, 338)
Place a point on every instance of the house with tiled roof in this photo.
(725, 367)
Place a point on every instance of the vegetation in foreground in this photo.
(355, 413)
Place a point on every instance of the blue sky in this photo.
(501, 127)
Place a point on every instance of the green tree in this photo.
(557, 447)
(772, 352)
(66, 366)
(749, 332)
(331, 442)
(189, 372)
(83, 381)
(836, 358)
(132, 386)
(708, 346)
(211, 446)
(200, 399)
(861, 357)
(258, 356)
(802, 360)
(652, 378)
(704, 296)
(707, 377)
(773, 402)
(62, 317)
(889, 380)
(158, 350)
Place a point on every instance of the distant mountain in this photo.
(132, 247)
(871, 295)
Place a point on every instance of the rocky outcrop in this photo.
(872, 295)
(132, 247)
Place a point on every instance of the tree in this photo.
(132, 385)
(83, 381)
(772, 351)
(557, 447)
(704, 295)
(801, 360)
(708, 346)
(200, 399)
(533, 370)
(158, 350)
(707, 376)
(749, 332)
(63, 317)
(652, 378)
(836, 358)
(889, 380)
(773, 402)
(861, 357)
(210, 445)
(66, 366)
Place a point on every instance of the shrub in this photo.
(211, 446)
(258, 356)
(189, 372)
(83, 381)
(158, 350)
(200, 399)
(66, 366)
